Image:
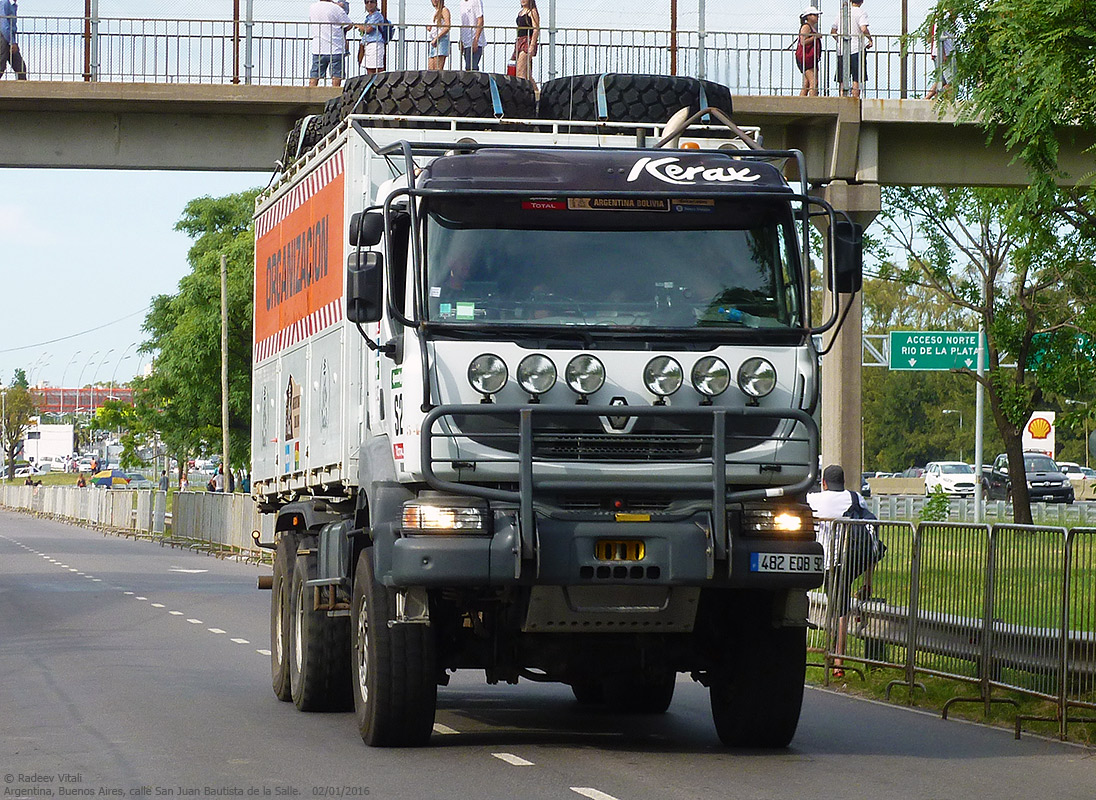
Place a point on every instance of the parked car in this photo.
(952, 477)
(912, 472)
(139, 481)
(1046, 482)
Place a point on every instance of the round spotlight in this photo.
(756, 377)
(536, 374)
(487, 373)
(585, 374)
(663, 376)
(711, 376)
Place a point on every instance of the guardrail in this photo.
(1001, 607)
(278, 53)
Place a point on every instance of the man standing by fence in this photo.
(9, 48)
(329, 24)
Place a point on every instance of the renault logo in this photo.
(618, 424)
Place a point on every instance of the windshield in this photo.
(1039, 464)
(957, 469)
(695, 264)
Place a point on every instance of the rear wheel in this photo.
(319, 648)
(393, 667)
(588, 692)
(757, 694)
(284, 557)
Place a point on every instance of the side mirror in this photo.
(366, 228)
(365, 287)
(848, 266)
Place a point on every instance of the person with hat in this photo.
(834, 502)
(808, 50)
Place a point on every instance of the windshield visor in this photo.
(647, 262)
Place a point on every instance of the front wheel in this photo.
(394, 667)
(757, 695)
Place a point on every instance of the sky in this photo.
(83, 252)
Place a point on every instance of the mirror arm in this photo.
(388, 349)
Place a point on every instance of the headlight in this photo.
(711, 376)
(442, 517)
(663, 376)
(585, 374)
(536, 374)
(487, 373)
(756, 377)
(792, 520)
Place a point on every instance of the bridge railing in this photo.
(278, 53)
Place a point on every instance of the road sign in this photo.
(933, 350)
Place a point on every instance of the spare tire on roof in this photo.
(628, 98)
(439, 93)
(297, 144)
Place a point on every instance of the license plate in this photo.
(785, 562)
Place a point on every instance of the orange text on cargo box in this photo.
(297, 262)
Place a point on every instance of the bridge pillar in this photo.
(842, 432)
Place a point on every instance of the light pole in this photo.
(125, 355)
(80, 380)
(63, 373)
(40, 362)
(4, 429)
(960, 413)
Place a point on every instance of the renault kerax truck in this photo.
(541, 403)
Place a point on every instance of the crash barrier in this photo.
(140, 511)
(1062, 515)
(1001, 607)
(220, 523)
(278, 53)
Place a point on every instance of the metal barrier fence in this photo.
(1002, 608)
(278, 53)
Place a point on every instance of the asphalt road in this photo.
(141, 671)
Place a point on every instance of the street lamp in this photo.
(80, 380)
(125, 355)
(40, 362)
(960, 413)
(63, 373)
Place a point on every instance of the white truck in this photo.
(539, 403)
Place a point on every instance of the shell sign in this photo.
(1039, 433)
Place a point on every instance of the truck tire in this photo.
(319, 648)
(394, 667)
(589, 692)
(640, 694)
(628, 98)
(284, 558)
(757, 694)
(313, 132)
(438, 93)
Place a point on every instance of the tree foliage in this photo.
(1025, 279)
(18, 411)
(181, 397)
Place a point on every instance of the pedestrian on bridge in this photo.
(9, 47)
(329, 24)
(378, 31)
(860, 40)
(471, 33)
(808, 50)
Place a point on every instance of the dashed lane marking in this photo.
(510, 758)
(241, 641)
(593, 794)
(193, 621)
(263, 652)
(443, 729)
(157, 605)
(176, 613)
(215, 630)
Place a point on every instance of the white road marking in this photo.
(96, 580)
(157, 605)
(176, 613)
(439, 728)
(187, 571)
(140, 598)
(593, 794)
(215, 630)
(127, 592)
(510, 758)
(193, 621)
(263, 652)
(72, 569)
(241, 641)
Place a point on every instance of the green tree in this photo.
(1021, 277)
(18, 411)
(20, 379)
(122, 417)
(181, 397)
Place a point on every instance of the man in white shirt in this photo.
(329, 25)
(859, 40)
(834, 502)
(471, 33)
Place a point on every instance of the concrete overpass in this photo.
(242, 127)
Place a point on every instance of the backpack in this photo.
(387, 30)
(865, 548)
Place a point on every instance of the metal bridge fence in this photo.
(1003, 608)
(278, 53)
